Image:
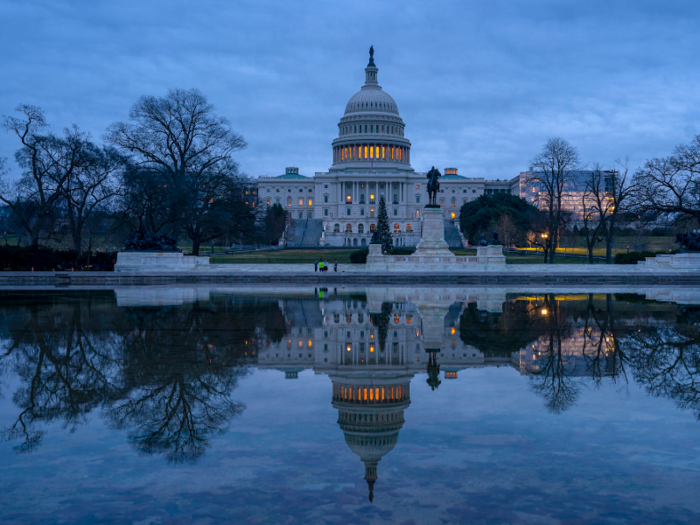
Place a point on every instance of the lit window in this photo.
(311, 202)
(397, 228)
(301, 202)
(409, 228)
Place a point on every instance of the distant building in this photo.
(572, 198)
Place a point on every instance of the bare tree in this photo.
(619, 194)
(668, 189)
(596, 206)
(48, 162)
(90, 188)
(179, 138)
(551, 173)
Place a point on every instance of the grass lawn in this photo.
(284, 257)
(343, 256)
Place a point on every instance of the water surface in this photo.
(349, 405)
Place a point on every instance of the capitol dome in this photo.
(371, 129)
(371, 98)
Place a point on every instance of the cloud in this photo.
(480, 85)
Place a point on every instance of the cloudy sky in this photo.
(480, 85)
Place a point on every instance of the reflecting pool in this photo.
(349, 405)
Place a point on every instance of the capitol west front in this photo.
(371, 160)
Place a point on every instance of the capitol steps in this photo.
(452, 237)
(305, 233)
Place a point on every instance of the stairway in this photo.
(305, 233)
(452, 237)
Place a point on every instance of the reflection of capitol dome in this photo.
(370, 416)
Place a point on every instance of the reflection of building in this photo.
(371, 382)
(371, 159)
(370, 414)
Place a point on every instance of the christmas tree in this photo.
(383, 233)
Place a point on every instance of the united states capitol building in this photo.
(371, 160)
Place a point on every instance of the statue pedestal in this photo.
(491, 255)
(432, 239)
(376, 259)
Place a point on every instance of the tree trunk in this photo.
(195, 246)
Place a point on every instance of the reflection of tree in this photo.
(551, 377)
(165, 375)
(500, 334)
(180, 367)
(666, 359)
(65, 364)
(381, 321)
(601, 349)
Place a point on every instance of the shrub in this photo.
(359, 256)
(402, 251)
(634, 257)
(15, 258)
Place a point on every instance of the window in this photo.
(362, 198)
(417, 213)
(268, 201)
(301, 190)
(409, 228)
(325, 198)
(452, 201)
(325, 212)
(396, 199)
(361, 228)
(362, 211)
(301, 214)
(473, 191)
(311, 202)
(277, 200)
(336, 228)
(310, 190)
(301, 202)
(372, 227)
(289, 201)
(417, 199)
(277, 190)
(396, 212)
(453, 215)
(397, 228)
(464, 191)
(348, 228)
(371, 198)
(349, 212)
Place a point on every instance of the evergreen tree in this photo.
(383, 234)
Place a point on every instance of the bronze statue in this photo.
(433, 187)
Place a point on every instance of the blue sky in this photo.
(480, 85)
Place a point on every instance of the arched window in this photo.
(453, 201)
(417, 213)
(409, 228)
(336, 228)
(301, 201)
(348, 228)
(397, 228)
(289, 201)
(372, 228)
(360, 228)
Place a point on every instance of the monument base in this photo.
(157, 262)
(432, 245)
(376, 260)
(677, 261)
(433, 253)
